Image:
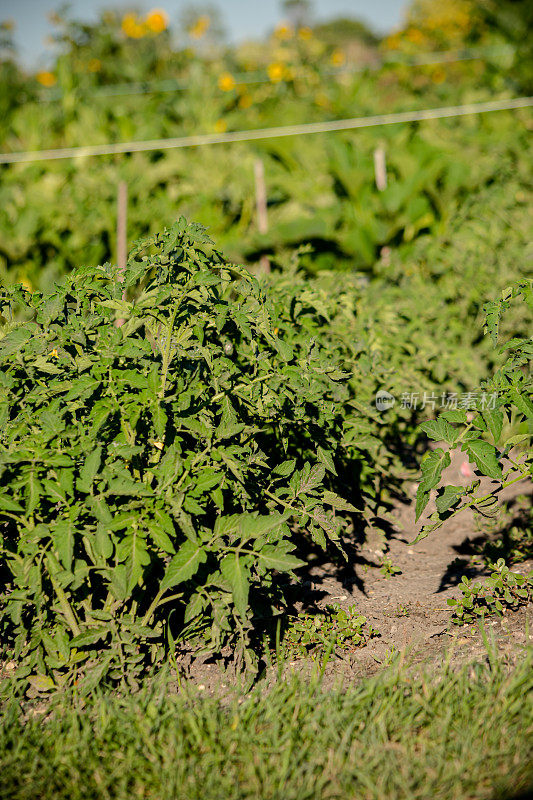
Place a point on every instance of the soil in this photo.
(408, 609)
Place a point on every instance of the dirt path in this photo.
(408, 609)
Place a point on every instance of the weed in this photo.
(334, 629)
(502, 590)
(388, 569)
(402, 610)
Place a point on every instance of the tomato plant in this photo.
(169, 435)
(496, 439)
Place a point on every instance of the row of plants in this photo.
(320, 189)
(174, 437)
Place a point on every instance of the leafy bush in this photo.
(490, 435)
(168, 435)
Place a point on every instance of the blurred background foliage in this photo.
(132, 76)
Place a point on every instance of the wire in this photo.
(266, 133)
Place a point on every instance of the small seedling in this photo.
(388, 569)
(402, 610)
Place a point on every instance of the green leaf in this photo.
(484, 455)
(103, 545)
(440, 430)
(160, 538)
(286, 468)
(251, 525)
(133, 548)
(90, 636)
(235, 572)
(206, 480)
(93, 677)
(276, 558)
(10, 505)
(89, 470)
(160, 422)
(433, 464)
(455, 415)
(183, 566)
(494, 421)
(284, 349)
(51, 423)
(15, 340)
(194, 608)
(332, 499)
(34, 493)
(514, 440)
(308, 479)
(118, 582)
(326, 458)
(125, 487)
(422, 499)
(522, 403)
(63, 538)
(448, 496)
(54, 491)
(100, 509)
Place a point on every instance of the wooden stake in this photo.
(380, 168)
(261, 206)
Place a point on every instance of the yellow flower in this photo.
(221, 126)
(338, 58)
(200, 27)
(26, 284)
(392, 42)
(283, 31)
(245, 100)
(159, 445)
(46, 78)
(156, 20)
(131, 27)
(276, 71)
(53, 354)
(94, 65)
(305, 34)
(226, 82)
(415, 36)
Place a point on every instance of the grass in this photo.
(463, 733)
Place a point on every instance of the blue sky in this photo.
(243, 18)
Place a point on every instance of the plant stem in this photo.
(65, 605)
